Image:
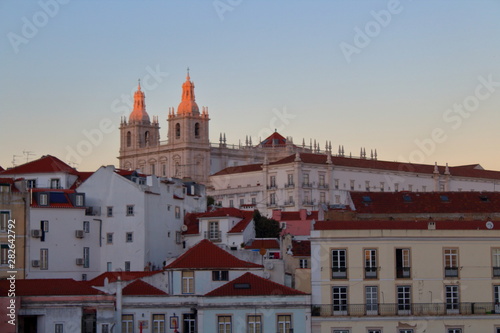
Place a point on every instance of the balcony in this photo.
(451, 271)
(339, 273)
(213, 236)
(308, 203)
(289, 185)
(306, 185)
(289, 203)
(272, 204)
(413, 309)
(323, 186)
(403, 272)
(271, 187)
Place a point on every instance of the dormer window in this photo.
(55, 183)
(43, 199)
(79, 200)
(31, 183)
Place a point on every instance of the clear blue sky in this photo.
(373, 74)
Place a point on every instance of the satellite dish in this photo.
(267, 275)
(184, 227)
(489, 225)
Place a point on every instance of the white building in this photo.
(140, 216)
(310, 181)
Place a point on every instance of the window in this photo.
(336, 181)
(454, 330)
(303, 263)
(254, 324)
(189, 321)
(43, 199)
(339, 267)
(130, 210)
(86, 257)
(79, 200)
(177, 131)
(371, 297)
(272, 199)
(4, 219)
(44, 258)
(59, 328)
(86, 226)
(272, 181)
(290, 179)
(450, 262)
(352, 183)
(109, 238)
(4, 188)
(339, 300)
(213, 230)
(55, 183)
(371, 264)
(224, 323)
(322, 180)
(152, 167)
(341, 331)
(105, 328)
(322, 197)
(231, 203)
(495, 256)
(220, 275)
(382, 184)
(109, 211)
(84, 277)
(403, 263)
(197, 130)
(127, 323)
(129, 237)
(367, 186)
(306, 180)
(158, 323)
(284, 323)
(109, 266)
(242, 202)
(164, 170)
(451, 299)
(129, 139)
(404, 299)
(178, 237)
(254, 201)
(4, 254)
(496, 294)
(188, 282)
(405, 330)
(177, 212)
(31, 183)
(127, 266)
(374, 331)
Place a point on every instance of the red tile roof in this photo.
(141, 288)
(404, 225)
(239, 169)
(82, 176)
(124, 276)
(1, 169)
(46, 287)
(274, 139)
(207, 255)
(263, 243)
(301, 248)
(425, 202)
(290, 216)
(192, 223)
(59, 198)
(252, 285)
(45, 164)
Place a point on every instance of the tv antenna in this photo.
(28, 153)
(14, 159)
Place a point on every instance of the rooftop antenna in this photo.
(14, 159)
(28, 153)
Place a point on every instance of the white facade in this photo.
(141, 219)
(312, 181)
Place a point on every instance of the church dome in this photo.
(139, 113)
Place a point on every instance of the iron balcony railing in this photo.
(405, 309)
(403, 272)
(214, 236)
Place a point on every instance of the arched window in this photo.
(178, 130)
(129, 139)
(146, 138)
(197, 130)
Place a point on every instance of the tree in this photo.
(265, 227)
(210, 201)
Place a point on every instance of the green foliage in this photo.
(265, 227)
(210, 201)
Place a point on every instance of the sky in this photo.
(416, 80)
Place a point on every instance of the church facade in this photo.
(188, 152)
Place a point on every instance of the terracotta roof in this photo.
(405, 225)
(124, 276)
(192, 223)
(301, 248)
(46, 287)
(45, 164)
(425, 202)
(207, 255)
(239, 169)
(252, 285)
(82, 176)
(141, 288)
(263, 243)
(274, 139)
(290, 216)
(1, 169)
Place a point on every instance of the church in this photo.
(188, 153)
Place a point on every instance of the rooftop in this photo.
(405, 225)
